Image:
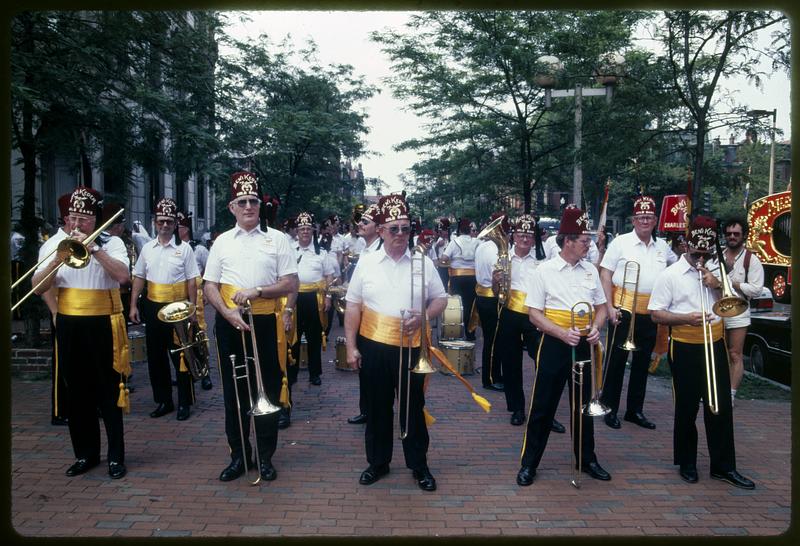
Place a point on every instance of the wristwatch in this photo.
(259, 289)
(289, 309)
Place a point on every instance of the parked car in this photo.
(768, 344)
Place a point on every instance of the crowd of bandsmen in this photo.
(276, 285)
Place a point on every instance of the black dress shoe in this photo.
(499, 387)
(734, 478)
(59, 421)
(358, 419)
(206, 383)
(183, 413)
(116, 470)
(611, 420)
(284, 419)
(162, 409)
(517, 418)
(639, 419)
(372, 474)
(232, 471)
(557, 427)
(688, 473)
(82, 466)
(596, 471)
(425, 479)
(316, 381)
(525, 475)
(267, 471)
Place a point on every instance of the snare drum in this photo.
(461, 355)
(341, 355)
(452, 325)
(137, 346)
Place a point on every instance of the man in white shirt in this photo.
(460, 256)
(683, 298)
(249, 266)
(379, 320)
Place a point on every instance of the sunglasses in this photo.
(733, 234)
(365, 222)
(698, 255)
(394, 230)
(165, 222)
(242, 203)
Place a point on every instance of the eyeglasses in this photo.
(394, 230)
(698, 255)
(242, 203)
(733, 234)
(365, 222)
(165, 222)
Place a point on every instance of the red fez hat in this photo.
(271, 202)
(371, 213)
(443, 223)
(703, 233)
(644, 204)
(63, 205)
(243, 184)
(463, 225)
(167, 207)
(304, 219)
(86, 201)
(110, 210)
(574, 221)
(525, 224)
(426, 237)
(392, 207)
(185, 219)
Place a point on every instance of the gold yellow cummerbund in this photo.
(694, 334)
(516, 301)
(259, 306)
(167, 293)
(483, 291)
(461, 271)
(564, 319)
(384, 329)
(319, 288)
(312, 286)
(88, 302)
(642, 300)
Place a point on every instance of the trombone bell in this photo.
(729, 306)
(263, 407)
(423, 365)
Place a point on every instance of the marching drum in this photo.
(341, 355)
(452, 324)
(461, 355)
(137, 345)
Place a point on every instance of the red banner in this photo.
(674, 213)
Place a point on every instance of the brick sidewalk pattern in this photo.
(172, 487)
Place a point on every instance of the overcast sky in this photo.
(343, 37)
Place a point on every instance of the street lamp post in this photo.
(774, 114)
(546, 78)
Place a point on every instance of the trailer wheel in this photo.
(758, 357)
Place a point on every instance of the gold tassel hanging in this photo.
(429, 419)
(284, 399)
(482, 402)
(124, 400)
(183, 367)
(324, 342)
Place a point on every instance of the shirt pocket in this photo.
(175, 265)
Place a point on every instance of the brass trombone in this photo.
(708, 345)
(630, 265)
(192, 341)
(594, 407)
(77, 257)
(262, 405)
(424, 364)
(728, 304)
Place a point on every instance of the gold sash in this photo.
(483, 291)
(260, 306)
(516, 301)
(564, 319)
(461, 271)
(694, 334)
(384, 329)
(167, 293)
(319, 288)
(642, 300)
(84, 302)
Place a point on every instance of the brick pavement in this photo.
(172, 489)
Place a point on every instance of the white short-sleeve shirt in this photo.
(313, 267)
(93, 276)
(678, 290)
(249, 259)
(653, 258)
(556, 284)
(166, 264)
(461, 251)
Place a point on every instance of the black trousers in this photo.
(380, 364)
(444, 274)
(553, 372)
(644, 336)
(308, 324)
(464, 286)
(689, 384)
(160, 341)
(59, 399)
(514, 333)
(229, 342)
(491, 370)
(85, 354)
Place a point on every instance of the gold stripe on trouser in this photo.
(319, 288)
(167, 293)
(516, 301)
(642, 300)
(385, 329)
(460, 271)
(694, 334)
(563, 318)
(474, 317)
(264, 306)
(86, 302)
(533, 394)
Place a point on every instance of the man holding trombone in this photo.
(629, 268)
(91, 341)
(567, 304)
(683, 298)
(248, 269)
(382, 327)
